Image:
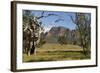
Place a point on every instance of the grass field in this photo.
(56, 52)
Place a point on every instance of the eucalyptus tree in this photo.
(32, 29)
(83, 22)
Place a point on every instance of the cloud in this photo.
(47, 28)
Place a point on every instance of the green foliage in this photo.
(62, 40)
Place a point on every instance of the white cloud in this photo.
(47, 28)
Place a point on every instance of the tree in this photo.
(61, 40)
(74, 37)
(31, 30)
(83, 21)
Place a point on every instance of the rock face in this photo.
(54, 33)
(61, 35)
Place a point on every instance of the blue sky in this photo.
(49, 22)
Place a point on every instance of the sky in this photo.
(52, 21)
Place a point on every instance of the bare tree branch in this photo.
(72, 19)
(45, 16)
(59, 20)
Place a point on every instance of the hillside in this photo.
(55, 32)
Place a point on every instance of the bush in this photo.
(62, 40)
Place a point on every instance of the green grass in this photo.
(56, 52)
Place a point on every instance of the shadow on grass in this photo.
(56, 56)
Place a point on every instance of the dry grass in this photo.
(58, 47)
(56, 52)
